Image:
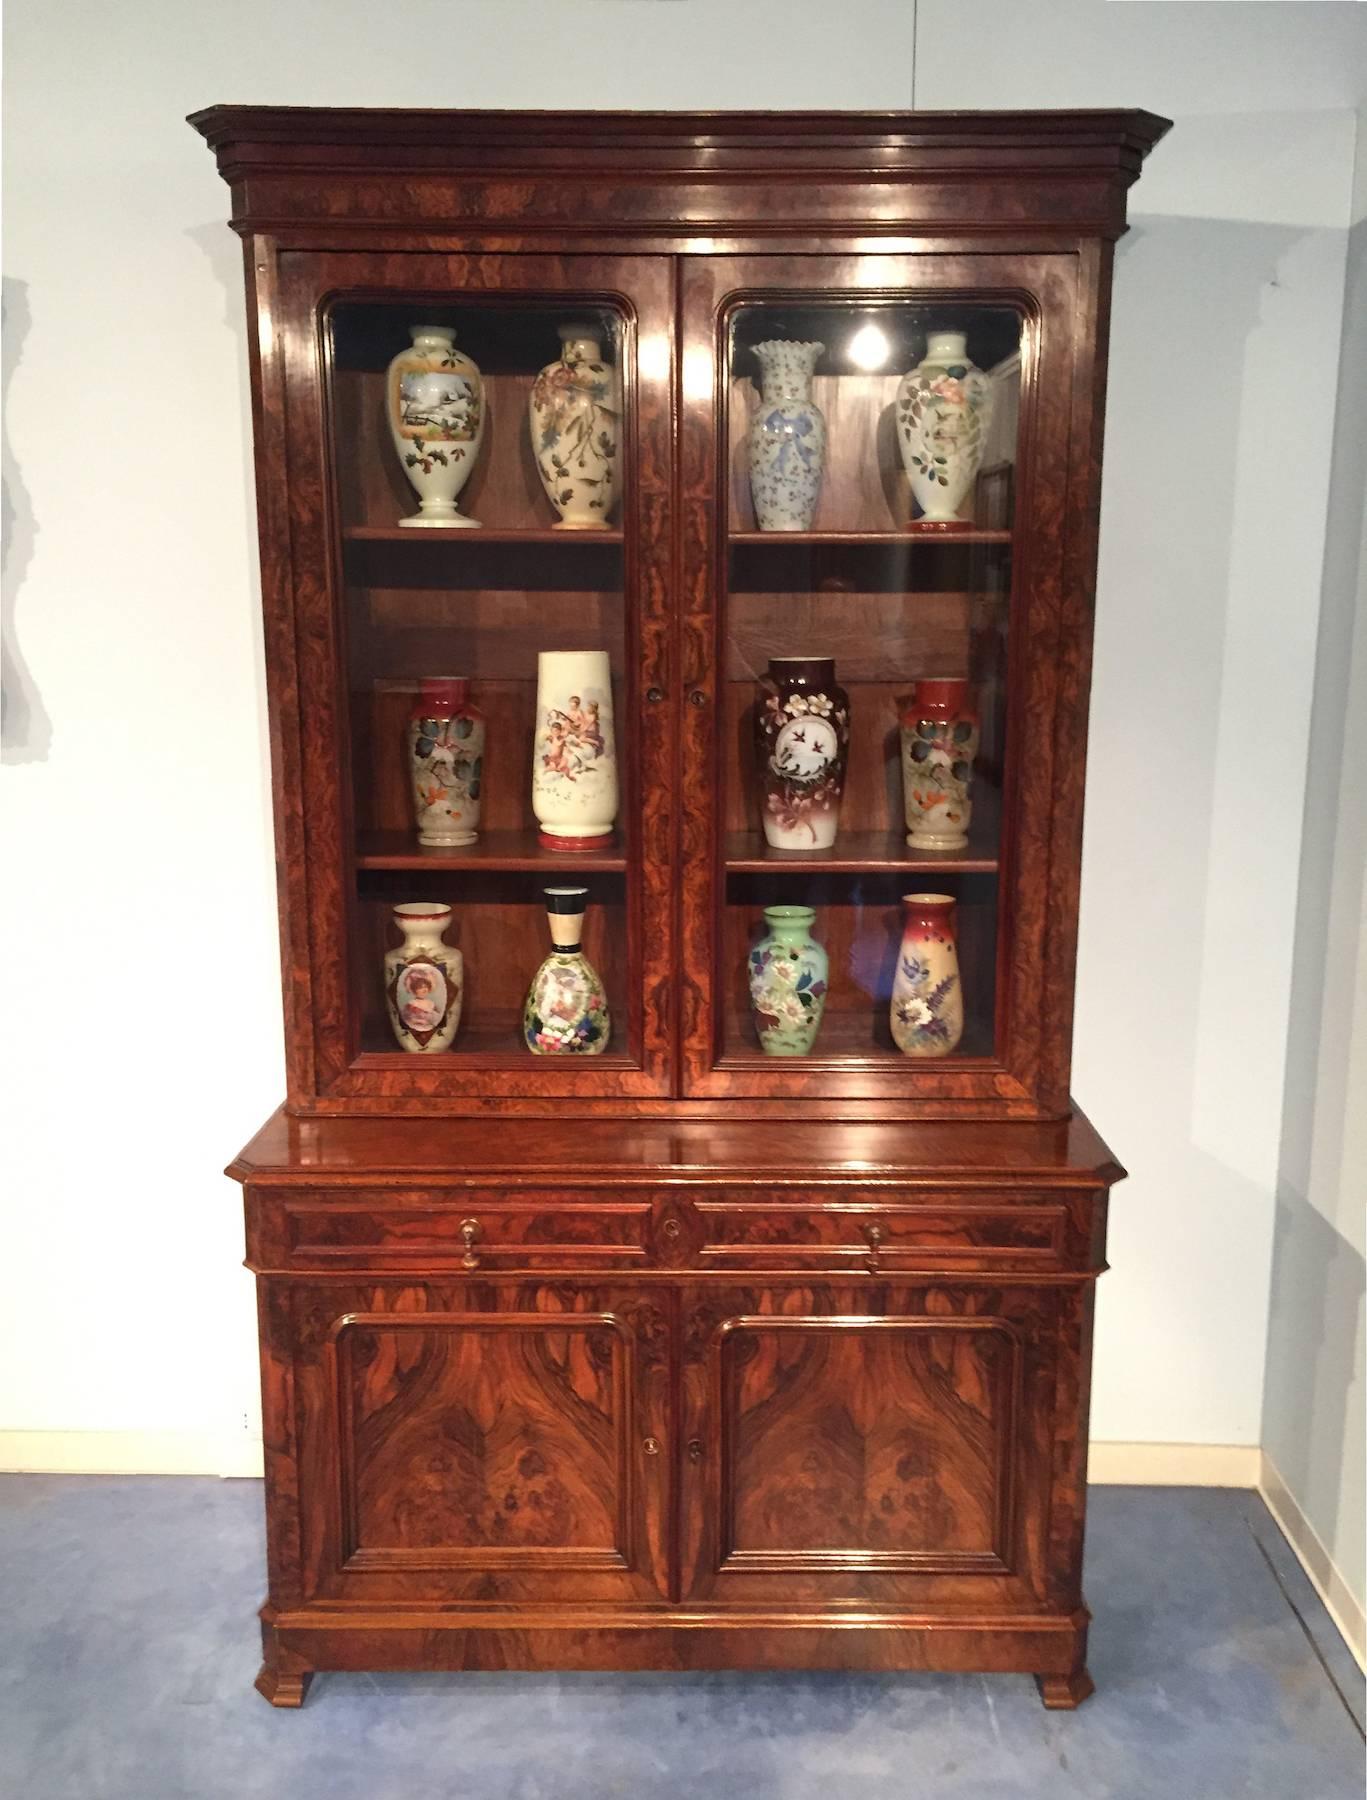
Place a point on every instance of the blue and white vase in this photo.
(787, 437)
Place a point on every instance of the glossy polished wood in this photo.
(678, 1359)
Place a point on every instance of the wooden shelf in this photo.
(857, 852)
(849, 1040)
(919, 540)
(482, 534)
(487, 1046)
(493, 850)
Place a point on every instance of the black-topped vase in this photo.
(566, 1011)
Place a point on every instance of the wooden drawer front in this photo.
(838, 1234)
(464, 1233)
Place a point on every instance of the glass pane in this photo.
(482, 552)
(872, 451)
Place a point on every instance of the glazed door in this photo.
(886, 598)
(875, 1444)
(472, 683)
(499, 1442)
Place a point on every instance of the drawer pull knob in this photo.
(695, 1450)
(672, 1229)
(651, 1446)
(873, 1237)
(469, 1232)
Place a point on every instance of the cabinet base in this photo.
(302, 1642)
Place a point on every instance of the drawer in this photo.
(461, 1233)
(930, 1235)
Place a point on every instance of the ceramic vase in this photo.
(566, 1013)
(445, 747)
(787, 437)
(574, 756)
(424, 979)
(802, 741)
(788, 979)
(575, 419)
(939, 742)
(927, 1011)
(944, 407)
(435, 404)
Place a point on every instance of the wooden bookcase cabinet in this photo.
(681, 1356)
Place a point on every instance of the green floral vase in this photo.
(788, 979)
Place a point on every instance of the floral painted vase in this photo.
(787, 437)
(944, 406)
(574, 756)
(927, 1012)
(788, 980)
(424, 979)
(435, 403)
(566, 1013)
(802, 740)
(575, 418)
(939, 742)
(445, 745)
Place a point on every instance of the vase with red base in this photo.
(574, 752)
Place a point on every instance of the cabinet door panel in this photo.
(869, 1444)
(480, 1442)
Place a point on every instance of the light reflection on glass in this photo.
(869, 348)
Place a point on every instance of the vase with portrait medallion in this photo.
(424, 979)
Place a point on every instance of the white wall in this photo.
(137, 800)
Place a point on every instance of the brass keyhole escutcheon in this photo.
(470, 1230)
(695, 1449)
(672, 1229)
(651, 1446)
(873, 1237)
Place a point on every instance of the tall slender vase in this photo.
(424, 979)
(434, 399)
(802, 741)
(927, 1010)
(566, 1011)
(788, 974)
(939, 742)
(445, 753)
(575, 419)
(787, 437)
(944, 406)
(574, 754)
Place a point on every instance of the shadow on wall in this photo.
(25, 731)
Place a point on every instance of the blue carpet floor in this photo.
(129, 1644)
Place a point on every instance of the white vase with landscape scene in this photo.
(434, 400)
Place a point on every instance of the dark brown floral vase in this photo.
(802, 741)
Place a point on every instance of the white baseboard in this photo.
(1173, 1465)
(130, 1453)
(1341, 1603)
